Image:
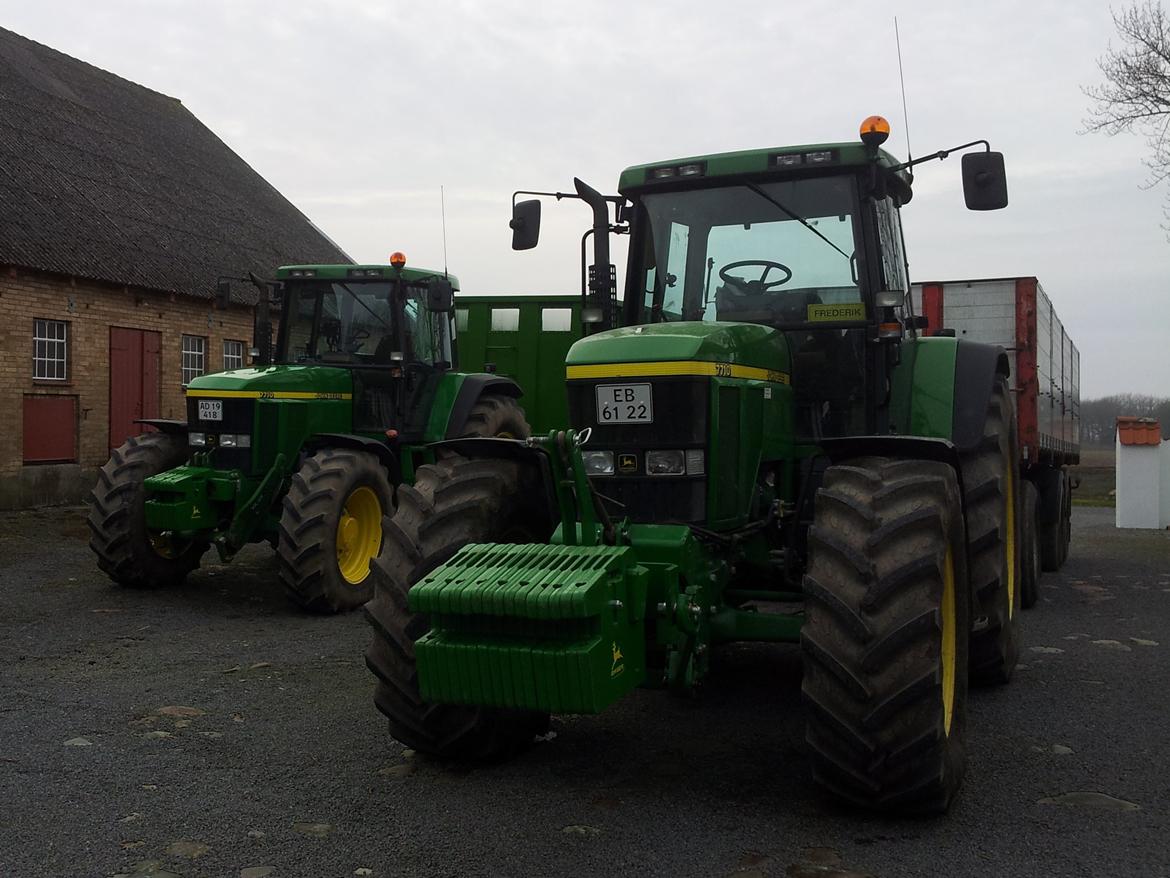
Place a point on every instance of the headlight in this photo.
(598, 463)
(235, 440)
(665, 463)
(199, 439)
(694, 461)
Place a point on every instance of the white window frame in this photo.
(237, 360)
(50, 349)
(193, 357)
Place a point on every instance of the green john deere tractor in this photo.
(762, 448)
(306, 449)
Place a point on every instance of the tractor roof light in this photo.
(874, 131)
(398, 259)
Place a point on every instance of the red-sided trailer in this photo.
(1017, 314)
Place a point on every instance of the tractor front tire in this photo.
(991, 503)
(497, 416)
(453, 502)
(125, 551)
(885, 636)
(331, 529)
(1030, 546)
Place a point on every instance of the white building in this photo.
(1143, 474)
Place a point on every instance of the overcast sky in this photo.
(359, 111)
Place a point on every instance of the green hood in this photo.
(301, 381)
(743, 344)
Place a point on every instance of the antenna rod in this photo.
(443, 207)
(902, 80)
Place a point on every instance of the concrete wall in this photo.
(90, 308)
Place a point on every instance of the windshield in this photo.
(354, 322)
(779, 253)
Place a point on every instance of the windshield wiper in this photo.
(764, 195)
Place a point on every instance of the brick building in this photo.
(119, 212)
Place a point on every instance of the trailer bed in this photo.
(1017, 314)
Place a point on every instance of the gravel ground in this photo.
(212, 730)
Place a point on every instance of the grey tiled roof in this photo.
(103, 178)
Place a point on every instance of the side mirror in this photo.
(984, 181)
(525, 224)
(440, 295)
(223, 294)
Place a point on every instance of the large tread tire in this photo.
(1030, 546)
(991, 499)
(1053, 487)
(313, 509)
(886, 589)
(117, 515)
(453, 502)
(494, 415)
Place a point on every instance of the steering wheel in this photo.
(763, 284)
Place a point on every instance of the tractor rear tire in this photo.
(885, 637)
(125, 551)
(453, 502)
(991, 499)
(1030, 546)
(331, 529)
(497, 416)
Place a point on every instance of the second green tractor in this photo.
(306, 449)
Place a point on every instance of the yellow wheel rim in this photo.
(1010, 541)
(947, 650)
(359, 534)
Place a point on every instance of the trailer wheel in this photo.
(331, 529)
(453, 502)
(1066, 525)
(1030, 546)
(1053, 487)
(497, 416)
(885, 639)
(126, 551)
(991, 499)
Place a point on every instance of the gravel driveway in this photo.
(213, 730)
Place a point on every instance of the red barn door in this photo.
(134, 374)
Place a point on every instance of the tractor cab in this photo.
(391, 327)
(794, 247)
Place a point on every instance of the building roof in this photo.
(103, 178)
(1139, 431)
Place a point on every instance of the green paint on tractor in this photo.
(760, 446)
(306, 448)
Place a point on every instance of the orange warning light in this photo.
(874, 131)
(398, 259)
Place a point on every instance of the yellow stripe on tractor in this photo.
(676, 368)
(266, 394)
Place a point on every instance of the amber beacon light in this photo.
(398, 259)
(874, 131)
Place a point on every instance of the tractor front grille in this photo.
(681, 419)
(238, 417)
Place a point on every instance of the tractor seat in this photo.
(745, 305)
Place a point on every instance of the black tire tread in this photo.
(994, 641)
(452, 502)
(493, 415)
(116, 514)
(870, 642)
(308, 528)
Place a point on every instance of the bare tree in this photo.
(1136, 94)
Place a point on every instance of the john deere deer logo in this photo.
(618, 665)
